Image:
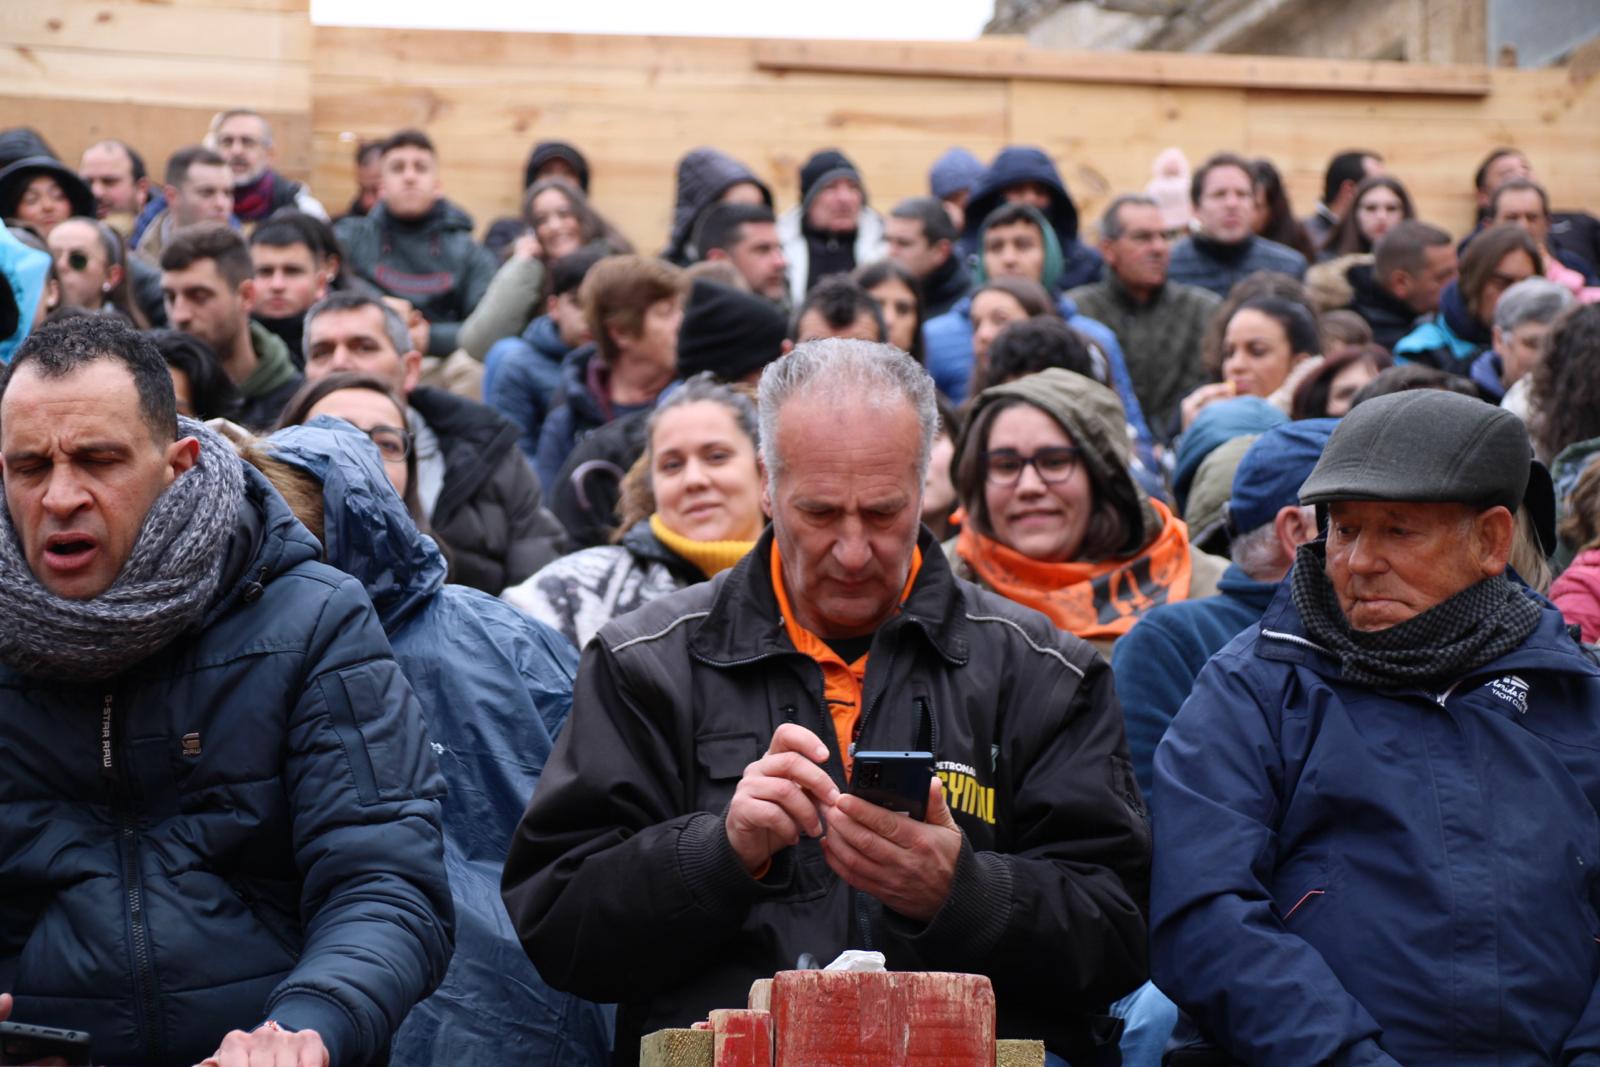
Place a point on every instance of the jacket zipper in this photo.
(133, 884)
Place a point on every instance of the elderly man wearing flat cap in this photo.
(1376, 838)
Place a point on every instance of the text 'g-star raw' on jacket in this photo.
(622, 883)
(243, 827)
(1348, 876)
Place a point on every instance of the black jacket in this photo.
(703, 176)
(945, 287)
(488, 511)
(622, 884)
(1390, 317)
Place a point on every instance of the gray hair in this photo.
(237, 112)
(1258, 553)
(393, 324)
(842, 371)
(1533, 299)
(1111, 221)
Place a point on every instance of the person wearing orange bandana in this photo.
(1053, 519)
(691, 508)
(694, 829)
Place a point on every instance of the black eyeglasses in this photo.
(1004, 466)
(393, 444)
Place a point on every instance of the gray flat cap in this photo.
(1424, 445)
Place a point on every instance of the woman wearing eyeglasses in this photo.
(1055, 522)
(368, 404)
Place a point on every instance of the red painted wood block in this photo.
(742, 1038)
(845, 1019)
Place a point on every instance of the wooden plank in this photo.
(302, 7)
(72, 74)
(1121, 68)
(118, 26)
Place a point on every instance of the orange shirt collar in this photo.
(806, 641)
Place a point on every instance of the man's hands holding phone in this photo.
(908, 865)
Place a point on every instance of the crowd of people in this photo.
(421, 645)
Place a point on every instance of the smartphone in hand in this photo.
(897, 781)
(24, 1044)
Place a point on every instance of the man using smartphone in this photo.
(694, 828)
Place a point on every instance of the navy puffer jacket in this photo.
(495, 688)
(259, 838)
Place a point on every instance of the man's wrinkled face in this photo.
(845, 505)
(108, 171)
(82, 470)
(1139, 256)
(1390, 562)
(1227, 204)
(836, 207)
(246, 143)
(356, 340)
(288, 280)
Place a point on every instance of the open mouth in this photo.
(69, 548)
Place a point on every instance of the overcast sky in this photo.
(944, 20)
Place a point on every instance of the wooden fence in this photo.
(153, 72)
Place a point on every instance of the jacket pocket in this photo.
(721, 759)
(280, 927)
(1301, 891)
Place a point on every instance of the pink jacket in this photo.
(1577, 594)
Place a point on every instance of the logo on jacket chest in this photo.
(963, 793)
(1513, 691)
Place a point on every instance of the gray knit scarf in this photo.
(1478, 625)
(163, 589)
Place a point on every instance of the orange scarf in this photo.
(1091, 600)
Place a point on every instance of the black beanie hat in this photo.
(545, 151)
(728, 332)
(822, 168)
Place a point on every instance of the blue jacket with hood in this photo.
(1081, 264)
(495, 688)
(1350, 876)
(1450, 340)
(521, 378)
(244, 826)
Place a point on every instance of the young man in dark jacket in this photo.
(1377, 830)
(480, 495)
(222, 835)
(1021, 174)
(1225, 248)
(416, 245)
(675, 850)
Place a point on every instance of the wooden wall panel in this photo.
(153, 72)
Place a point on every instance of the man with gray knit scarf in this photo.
(1377, 839)
(221, 837)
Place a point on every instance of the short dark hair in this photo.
(722, 226)
(214, 241)
(1518, 185)
(62, 347)
(1348, 166)
(568, 272)
(179, 162)
(1407, 376)
(1405, 247)
(1037, 344)
(284, 230)
(1009, 214)
(368, 148)
(840, 302)
(211, 391)
(928, 210)
(410, 137)
(1197, 184)
(1481, 175)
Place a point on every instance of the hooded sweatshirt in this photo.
(431, 261)
(1450, 340)
(1080, 264)
(492, 728)
(703, 176)
(1097, 599)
